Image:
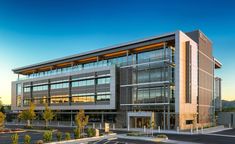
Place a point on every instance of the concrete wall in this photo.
(185, 111)
(205, 77)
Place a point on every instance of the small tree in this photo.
(67, 136)
(27, 139)
(2, 119)
(28, 114)
(47, 136)
(15, 138)
(47, 114)
(81, 120)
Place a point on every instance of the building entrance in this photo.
(140, 119)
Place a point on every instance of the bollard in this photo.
(128, 128)
(191, 130)
(100, 126)
(93, 125)
(159, 129)
(178, 130)
(197, 130)
(229, 125)
(202, 130)
(144, 129)
(113, 126)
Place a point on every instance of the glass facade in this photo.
(83, 83)
(40, 88)
(150, 81)
(40, 100)
(103, 80)
(59, 99)
(83, 98)
(103, 96)
(60, 85)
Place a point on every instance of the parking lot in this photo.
(215, 138)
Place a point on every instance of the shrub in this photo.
(162, 136)
(76, 132)
(91, 132)
(28, 127)
(67, 136)
(15, 138)
(27, 139)
(135, 134)
(39, 142)
(59, 136)
(47, 136)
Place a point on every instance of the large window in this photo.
(18, 95)
(40, 99)
(151, 95)
(83, 83)
(26, 102)
(104, 80)
(60, 85)
(18, 89)
(103, 96)
(40, 88)
(83, 98)
(59, 99)
(27, 89)
(150, 55)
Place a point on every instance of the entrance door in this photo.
(142, 121)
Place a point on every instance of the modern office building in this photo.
(166, 79)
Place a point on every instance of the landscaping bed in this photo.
(14, 130)
(142, 135)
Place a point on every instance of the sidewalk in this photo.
(200, 131)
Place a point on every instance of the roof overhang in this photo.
(91, 56)
(218, 64)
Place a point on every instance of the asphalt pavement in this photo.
(200, 138)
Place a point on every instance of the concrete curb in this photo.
(124, 136)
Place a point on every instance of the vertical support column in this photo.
(169, 95)
(164, 118)
(70, 90)
(71, 118)
(31, 91)
(168, 109)
(49, 93)
(102, 118)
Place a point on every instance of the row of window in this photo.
(66, 84)
(83, 83)
(140, 57)
(40, 88)
(153, 95)
(59, 85)
(76, 98)
(155, 74)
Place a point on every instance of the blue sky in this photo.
(32, 31)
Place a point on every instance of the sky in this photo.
(33, 31)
